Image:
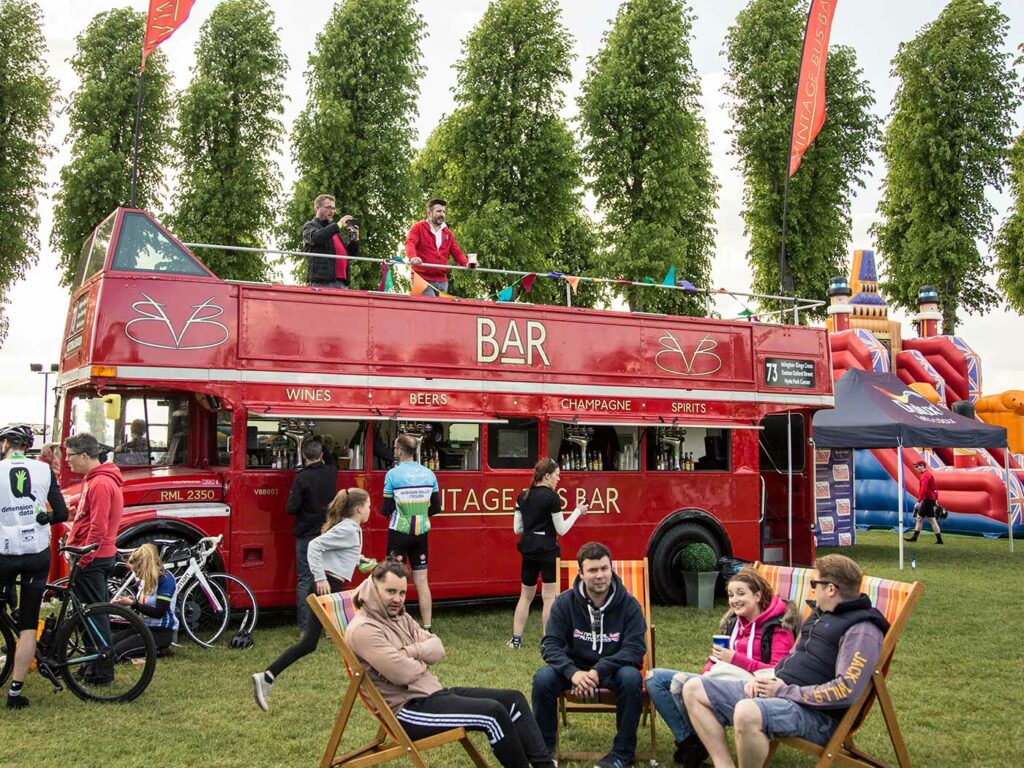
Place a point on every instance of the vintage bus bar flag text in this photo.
(511, 349)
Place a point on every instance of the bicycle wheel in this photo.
(203, 612)
(100, 664)
(8, 642)
(242, 602)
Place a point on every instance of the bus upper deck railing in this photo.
(795, 304)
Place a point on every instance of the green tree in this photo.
(229, 127)
(1009, 245)
(506, 162)
(646, 151)
(102, 116)
(354, 139)
(763, 49)
(947, 140)
(25, 95)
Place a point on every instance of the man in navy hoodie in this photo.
(595, 638)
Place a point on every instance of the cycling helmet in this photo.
(241, 640)
(19, 434)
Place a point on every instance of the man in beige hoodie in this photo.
(398, 653)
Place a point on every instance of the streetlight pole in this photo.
(38, 368)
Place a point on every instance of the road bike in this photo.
(103, 652)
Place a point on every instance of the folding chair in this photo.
(634, 577)
(335, 611)
(895, 600)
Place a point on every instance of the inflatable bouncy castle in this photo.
(972, 483)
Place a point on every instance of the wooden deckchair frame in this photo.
(840, 749)
(566, 702)
(391, 741)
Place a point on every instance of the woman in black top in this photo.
(539, 523)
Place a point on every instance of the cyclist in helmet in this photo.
(26, 488)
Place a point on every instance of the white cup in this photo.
(472, 258)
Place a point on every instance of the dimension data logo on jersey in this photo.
(21, 483)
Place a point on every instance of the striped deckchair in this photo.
(334, 612)
(895, 600)
(634, 576)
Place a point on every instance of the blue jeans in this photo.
(433, 286)
(667, 698)
(628, 687)
(303, 581)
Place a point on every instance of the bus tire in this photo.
(666, 573)
(151, 530)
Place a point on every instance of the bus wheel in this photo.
(666, 571)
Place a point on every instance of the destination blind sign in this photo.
(791, 374)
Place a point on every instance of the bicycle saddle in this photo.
(80, 551)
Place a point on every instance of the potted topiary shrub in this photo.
(700, 574)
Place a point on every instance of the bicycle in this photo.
(208, 603)
(77, 643)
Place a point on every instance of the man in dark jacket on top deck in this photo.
(313, 489)
(322, 235)
(595, 638)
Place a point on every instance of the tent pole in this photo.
(789, 483)
(1009, 519)
(902, 492)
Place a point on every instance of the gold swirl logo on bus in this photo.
(703, 362)
(201, 322)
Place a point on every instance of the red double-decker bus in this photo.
(674, 429)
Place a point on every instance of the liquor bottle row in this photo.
(667, 461)
(578, 461)
(280, 458)
(429, 458)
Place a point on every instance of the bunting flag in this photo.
(623, 282)
(419, 285)
(385, 277)
(670, 277)
(555, 275)
(809, 110)
(573, 282)
(687, 285)
(165, 16)
(746, 313)
(528, 282)
(648, 281)
(506, 293)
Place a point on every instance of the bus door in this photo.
(785, 503)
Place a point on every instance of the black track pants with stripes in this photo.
(501, 715)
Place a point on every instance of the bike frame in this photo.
(199, 555)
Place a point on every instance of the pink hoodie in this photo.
(746, 639)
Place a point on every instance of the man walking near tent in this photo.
(927, 501)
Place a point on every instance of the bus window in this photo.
(344, 442)
(599, 447)
(93, 253)
(512, 445)
(220, 439)
(443, 446)
(687, 449)
(148, 431)
(269, 444)
(142, 247)
(774, 444)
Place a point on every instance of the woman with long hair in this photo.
(539, 523)
(333, 557)
(154, 601)
(761, 628)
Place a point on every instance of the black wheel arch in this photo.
(148, 529)
(691, 515)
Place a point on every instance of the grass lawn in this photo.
(955, 681)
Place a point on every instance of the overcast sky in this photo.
(874, 28)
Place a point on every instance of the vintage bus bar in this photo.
(673, 429)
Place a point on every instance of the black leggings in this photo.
(310, 637)
(128, 642)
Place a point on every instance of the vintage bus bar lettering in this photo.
(308, 394)
(516, 347)
(689, 408)
(594, 404)
(428, 398)
(503, 500)
(193, 494)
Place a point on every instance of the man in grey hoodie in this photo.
(398, 653)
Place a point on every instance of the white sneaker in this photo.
(261, 690)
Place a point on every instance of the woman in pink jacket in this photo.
(761, 628)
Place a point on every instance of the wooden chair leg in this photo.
(351, 694)
(474, 753)
(773, 747)
(889, 715)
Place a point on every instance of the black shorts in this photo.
(544, 565)
(33, 569)
(411, 550)
(926, 508)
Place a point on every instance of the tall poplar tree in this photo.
(26, 93)
(947, 141)
(1009, 245)
(229, 128)
(763, 49)
(354, 139)
(505, 160)
(102, 116)
(646, 151)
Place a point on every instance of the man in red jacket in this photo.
(97, 520)
(430, 242)
(927, 498)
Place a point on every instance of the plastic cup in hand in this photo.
(367, 565)
(472, 259)
(722, 641)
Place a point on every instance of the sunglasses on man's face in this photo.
(815, 583)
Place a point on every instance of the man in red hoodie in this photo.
(97, 519)
(927, 498)
(430, 242)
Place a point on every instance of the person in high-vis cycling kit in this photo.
(26, 487)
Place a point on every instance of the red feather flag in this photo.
(809, 110)
(165, 16)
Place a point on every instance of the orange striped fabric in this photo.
(338, 606)
(630, 573)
